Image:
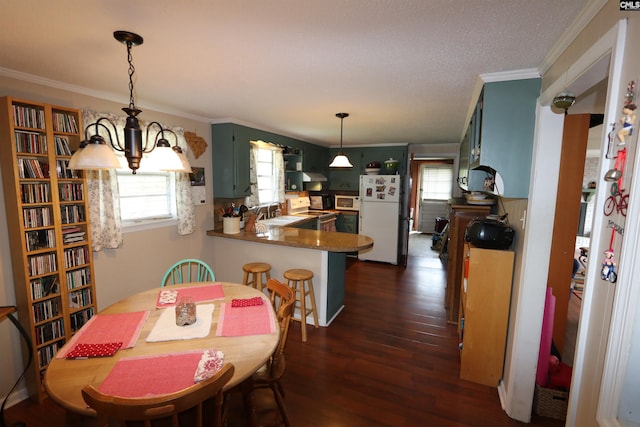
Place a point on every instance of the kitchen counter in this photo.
(301, 238)
(284, 248)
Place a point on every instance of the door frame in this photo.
(516, 389)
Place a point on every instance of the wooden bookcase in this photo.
(48, 226)
(485, 296)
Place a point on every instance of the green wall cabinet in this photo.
(501, 136)
(230, 161)
(349, 179)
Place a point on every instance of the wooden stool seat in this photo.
(253, 272)
(301, 281)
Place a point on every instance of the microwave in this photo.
(347, 203)
(321, 202)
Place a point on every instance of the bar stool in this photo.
(300, 280)
(253, 272)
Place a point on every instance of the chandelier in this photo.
(94, 153)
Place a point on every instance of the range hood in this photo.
(313, 177)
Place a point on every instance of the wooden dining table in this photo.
(65, 378)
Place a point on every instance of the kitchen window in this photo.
(267, 174)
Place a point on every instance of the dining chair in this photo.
(188, 270)
(195, 406)
(269, 375)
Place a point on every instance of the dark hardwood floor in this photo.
(388, 359)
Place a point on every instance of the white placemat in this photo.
(166, 329)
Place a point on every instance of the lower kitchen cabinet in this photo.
(347, 223)
(485, 296)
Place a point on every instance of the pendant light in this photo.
(341, 161)
(94, 153)
(564, 100)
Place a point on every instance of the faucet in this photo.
(275, 212)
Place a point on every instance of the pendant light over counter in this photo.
(94, 153)
(341, 161)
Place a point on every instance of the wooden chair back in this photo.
(196, 406)
(188, 270)
(283, 305)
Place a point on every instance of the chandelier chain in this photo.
(132, 71)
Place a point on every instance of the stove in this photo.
(300, 206)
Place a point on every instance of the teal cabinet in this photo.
(501, 135)
(293, 167)
(230, 161)
(349, 179)
(347, 223)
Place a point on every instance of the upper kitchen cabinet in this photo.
(349, 179)
(501, 135)
(231, 148)
(230, 161)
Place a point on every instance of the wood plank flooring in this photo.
(388, 359)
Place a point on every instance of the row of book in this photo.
(32, 168)
(40, 239)
(64, 122)
(71, 192)
(42, 264)
(72, 235)
(31, 142)
(28, 117)
(79, 318)
(62, 146)
(81, 298)
(36, 217)
(71, 214)
(62, 168)
(44, 286)
(74, 257)
(78, 278)
(49, 331)
(35, 193)
(46, 355)
(46, 309)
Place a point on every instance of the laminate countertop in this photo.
(301, 238)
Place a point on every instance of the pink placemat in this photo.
(241, 321)
(108, 328)
(167, 296)
(146, 376)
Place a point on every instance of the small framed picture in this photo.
(197, 176)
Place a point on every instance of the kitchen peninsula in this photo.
(322, 252)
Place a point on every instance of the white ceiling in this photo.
(405, 70)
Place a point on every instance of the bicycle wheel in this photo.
(610, 205)
(613, 277)
(624, 202)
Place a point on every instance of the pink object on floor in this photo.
(167, 296)
(108, 328)
(241, 321)
(146, 376)
(542, 374)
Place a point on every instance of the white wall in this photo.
(145, 255)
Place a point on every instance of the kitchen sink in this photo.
(282, 220)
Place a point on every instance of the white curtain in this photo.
(104, 197)
(278, 166)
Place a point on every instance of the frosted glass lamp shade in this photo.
(341, 161)
(94, 156)
(164, 159)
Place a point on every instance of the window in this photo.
(146, 195)
(266, 175)
(437, 181)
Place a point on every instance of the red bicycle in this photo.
(617, 201)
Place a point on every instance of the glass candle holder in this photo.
(185, 311)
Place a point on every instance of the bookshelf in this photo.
(48, 226)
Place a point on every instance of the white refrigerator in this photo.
(380, 216)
